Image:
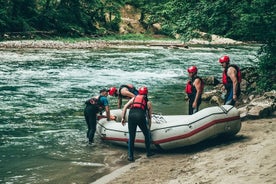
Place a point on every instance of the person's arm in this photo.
(108, 116)
(197, 84)
(125, 109)
(149, 113)
(107, 110)
(119, 102)
(232, 73)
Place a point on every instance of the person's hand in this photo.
(235, 97)
(123, 122)
(194, 105)
(112, 117)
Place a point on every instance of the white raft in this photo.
(174, 131)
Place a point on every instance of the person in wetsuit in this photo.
(125, 92)
(194, 89)
(140, 114)
(93, 106)
(231, 78)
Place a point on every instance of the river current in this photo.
(42, 94)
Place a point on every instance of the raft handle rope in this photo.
(223, 109)
(158, 118)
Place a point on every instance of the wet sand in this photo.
(249, 157)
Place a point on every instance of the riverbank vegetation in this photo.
(244, 20)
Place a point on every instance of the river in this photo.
(42, 94)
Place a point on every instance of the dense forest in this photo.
(244, 20)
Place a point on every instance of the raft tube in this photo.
(175, 131)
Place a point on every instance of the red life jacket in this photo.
(226, 80)
(190, 88)
(139, 102)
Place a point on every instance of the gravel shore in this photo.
(96, 44)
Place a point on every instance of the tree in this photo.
(259, 22)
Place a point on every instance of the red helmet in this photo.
(192, 69)
(112, 91)
(224, 59)
(143, 90)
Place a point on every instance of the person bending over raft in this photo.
(124, 92)
(94, 105)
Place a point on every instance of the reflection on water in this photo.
(42, 129)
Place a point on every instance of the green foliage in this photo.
(267, 67)
(257, 21)
(4, 20)
(239, 19)
(61, 17)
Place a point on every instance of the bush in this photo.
(267, 69)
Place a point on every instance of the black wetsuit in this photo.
(137, 117)
(90, 114)
(130, 89)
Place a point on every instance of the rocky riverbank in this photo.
(95, 44)
(251, 104)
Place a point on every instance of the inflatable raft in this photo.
(174, 131)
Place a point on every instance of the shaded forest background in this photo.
(243, 20)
